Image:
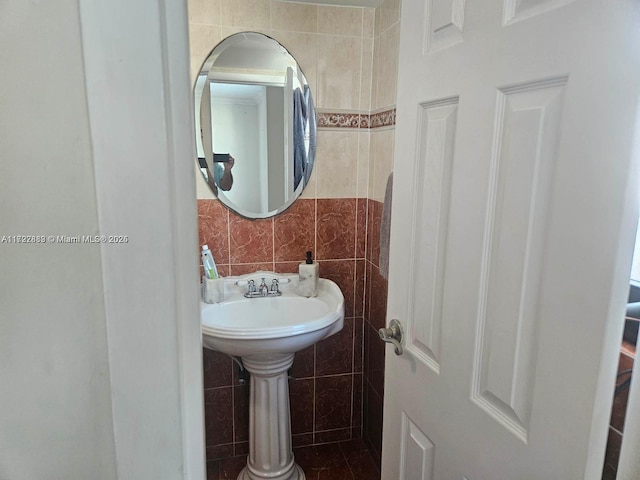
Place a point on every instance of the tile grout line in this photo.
(228, 236)
(346, 460)
(273, 244)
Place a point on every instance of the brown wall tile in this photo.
(342, 272)
(372, 422)
(241, 413)
(287, 267)
(294, 231)
(612, 455)
(356, 414)
(218, 421)
(213, 221)
(304, 363)
(361, 227)
(250, 241)
(374, 369)
(378, 298)
(230, 468)
(217, 369)
(334, 355)
(358, 345)
(241, 448)
(302, 405)
(213, 470)
(223, 269)
(333, 402)
(336, 228)
(373, 231)
(359, 288)
(620, 401)
(302, 439)
(245, 268)
(219, 451)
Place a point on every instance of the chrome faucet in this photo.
(264, 289)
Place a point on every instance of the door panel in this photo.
(445, 25)
(511, 235)
(416, 462)
(527, 124)
(436, 134)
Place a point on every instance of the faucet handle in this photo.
(275, 285)
(263, 288)
(251, 286)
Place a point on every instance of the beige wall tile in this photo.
(202, 39)
(304, 48)
(204, 11)
(246, 13)
(366, 81)
(364, 166)
(294, 17)
(388, 71)
(339, 60)
(382, 145)
(340, 20)
(387, 14)
(368, 22)
(310, 190)
(375, 73)
(203, 191)
(228, 31)
(337, 164)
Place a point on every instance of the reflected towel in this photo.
(385, 229)
(312, 127)
(299, 124)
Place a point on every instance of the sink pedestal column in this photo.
(270, 452)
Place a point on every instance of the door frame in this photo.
(137, 80)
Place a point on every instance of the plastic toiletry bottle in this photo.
(308, 277)
(210, 270)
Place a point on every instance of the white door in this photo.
(512, 229)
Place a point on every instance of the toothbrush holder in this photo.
(212, 289)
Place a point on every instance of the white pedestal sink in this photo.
(266, 332)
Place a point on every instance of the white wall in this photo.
(230, 121)
(100, 352)
(55, 403)
(275, 113)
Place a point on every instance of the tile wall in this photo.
(383, 99)
(349, 56)
(326, 388)
(628, 352)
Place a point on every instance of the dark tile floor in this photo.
(332, 461)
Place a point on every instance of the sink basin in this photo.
(266, 332)
(242, 326)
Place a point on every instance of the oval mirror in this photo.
(255, 125)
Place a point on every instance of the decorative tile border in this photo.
(339, 120)
(383, 119)
(357, 120)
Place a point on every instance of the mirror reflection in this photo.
(255, 124)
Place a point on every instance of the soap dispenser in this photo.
(308, 277)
